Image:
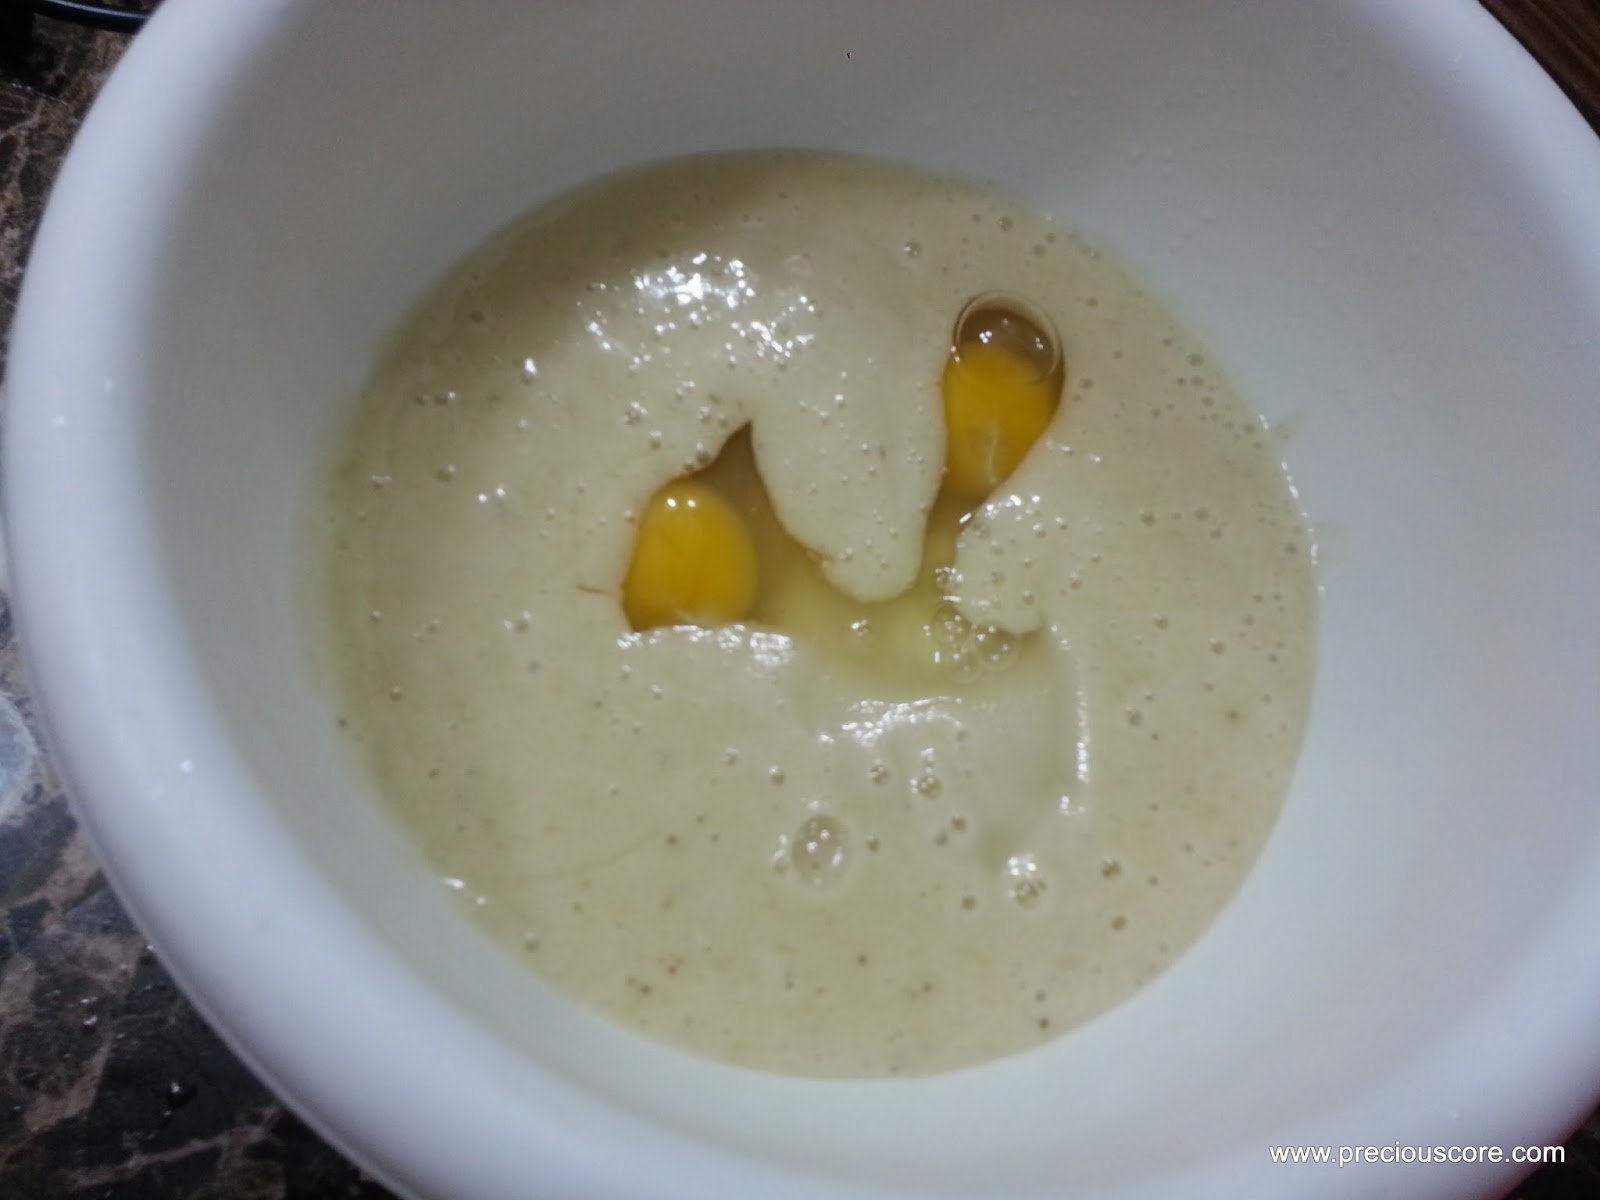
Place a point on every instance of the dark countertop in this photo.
(111, 1086)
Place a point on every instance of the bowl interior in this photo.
(1370, 238)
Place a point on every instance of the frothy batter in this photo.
(801, 843)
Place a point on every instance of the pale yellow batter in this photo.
(794, 844)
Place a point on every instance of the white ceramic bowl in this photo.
(1381, 216)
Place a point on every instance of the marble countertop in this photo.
(111, 1086)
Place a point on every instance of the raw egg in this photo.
(693, 561)
(1002, 385)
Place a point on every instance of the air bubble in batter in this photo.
(1024, 884)
(819, 850)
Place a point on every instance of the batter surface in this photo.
(932, 804)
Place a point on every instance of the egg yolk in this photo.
(693, 561)
(1002, 385)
